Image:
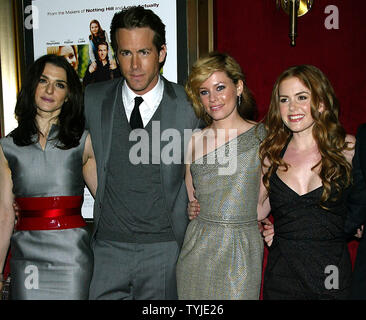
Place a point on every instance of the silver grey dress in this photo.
(48, 264)
(222, 253)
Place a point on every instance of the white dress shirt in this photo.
(150, 104)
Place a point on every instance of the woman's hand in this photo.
(93, 67)
(193, 209)
(267, 231)
(359, 232)
(16, 211)
(112, 64)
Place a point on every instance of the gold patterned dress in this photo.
(222, 253)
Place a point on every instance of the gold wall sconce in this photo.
(294, 8)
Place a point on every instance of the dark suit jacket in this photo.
(101, 100)
(356, 203)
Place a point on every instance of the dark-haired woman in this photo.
(306, 158)
(43, 165)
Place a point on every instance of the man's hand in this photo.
(193, 209)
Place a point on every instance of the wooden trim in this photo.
(18, 9)
(200, 29)
(9, 73)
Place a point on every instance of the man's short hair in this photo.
(138, 17)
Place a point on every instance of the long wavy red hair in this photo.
(329, 134)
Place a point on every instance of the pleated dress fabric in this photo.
(309, 257)
(221, 257)
(48, 264)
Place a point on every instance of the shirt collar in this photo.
(151, 98)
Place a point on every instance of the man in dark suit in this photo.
(357, 213)
(140, 207)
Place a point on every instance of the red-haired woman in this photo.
(306, 160)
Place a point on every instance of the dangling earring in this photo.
(238, 101)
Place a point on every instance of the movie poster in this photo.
(67, 28)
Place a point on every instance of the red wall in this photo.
(256, 34)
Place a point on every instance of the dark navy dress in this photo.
(309, 258)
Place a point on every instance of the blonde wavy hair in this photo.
(329, 134)
(203, 68)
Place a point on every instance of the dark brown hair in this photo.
(139, 17)
(71, 119)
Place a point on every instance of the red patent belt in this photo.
(48, 213)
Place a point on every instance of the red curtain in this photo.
(255, 33)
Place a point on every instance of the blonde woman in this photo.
(221, 257)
